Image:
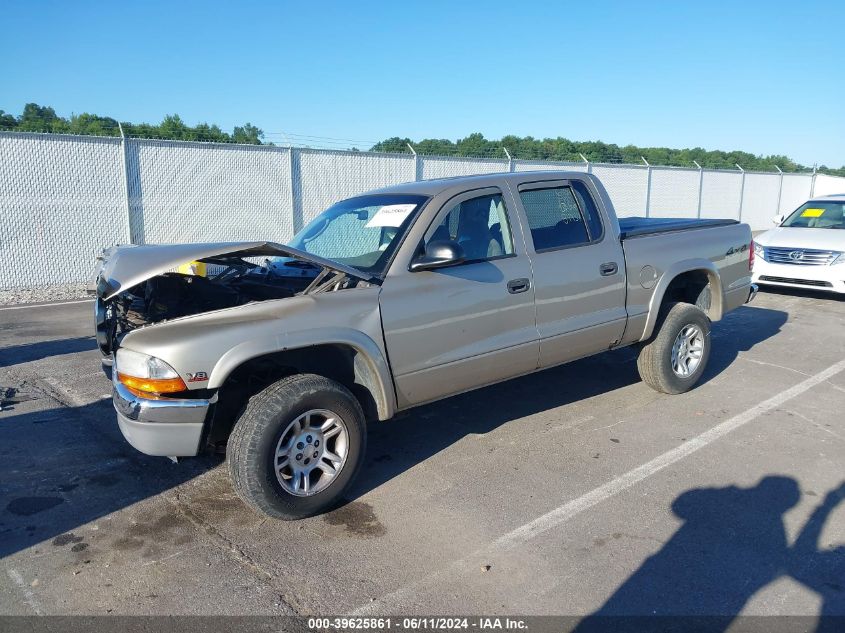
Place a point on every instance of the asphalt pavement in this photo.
(573, 491)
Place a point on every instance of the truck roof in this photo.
(437, 185)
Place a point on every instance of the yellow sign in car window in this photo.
(193, 268)
(812, 213)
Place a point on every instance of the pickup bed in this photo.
(279, 354)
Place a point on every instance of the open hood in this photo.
(126, 266)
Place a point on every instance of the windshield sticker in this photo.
(812, 213)
(391, 215)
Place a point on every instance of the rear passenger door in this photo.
(578, 266)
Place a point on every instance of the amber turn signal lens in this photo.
(152, 385)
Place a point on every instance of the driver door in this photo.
(452, 329)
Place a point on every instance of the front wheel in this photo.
(297, 446)
(673, 360)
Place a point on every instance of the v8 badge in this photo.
(199, 376)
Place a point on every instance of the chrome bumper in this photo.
(752, 293)
(167, 427)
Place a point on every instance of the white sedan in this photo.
(807, 249)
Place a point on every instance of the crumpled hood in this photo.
(126, 266)
(789, 237)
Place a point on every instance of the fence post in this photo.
(741, 190)
(813, 182)
(780, 189)
(418, 172)
(647, 187)
(589, 166)
(510, 160)
(124, 165)
(700, 187)
(297, 218)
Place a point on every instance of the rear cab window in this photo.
(560, 215)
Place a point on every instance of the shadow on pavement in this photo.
(732, 544)
(739, 331)
(399, 444)
(805, 293)
(17, 354)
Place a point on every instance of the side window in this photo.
(554, 218)
(588, 206)
(480, 225)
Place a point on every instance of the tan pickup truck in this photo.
(388, 300)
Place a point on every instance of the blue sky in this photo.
(764, 77)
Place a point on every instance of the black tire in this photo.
(252, 444)
(655, 359)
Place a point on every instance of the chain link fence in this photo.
(64, 198)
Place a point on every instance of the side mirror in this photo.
(777, 219)
(439, 254)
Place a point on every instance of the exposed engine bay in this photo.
(229, 282)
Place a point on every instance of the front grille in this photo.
(799, 282)
(799, 256)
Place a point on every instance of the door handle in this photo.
(608, 268)
(518, 285)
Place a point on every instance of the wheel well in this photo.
(341, 363)
(692, 287)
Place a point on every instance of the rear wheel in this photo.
(297, 446)
(673, 360)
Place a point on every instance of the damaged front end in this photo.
(137, 286)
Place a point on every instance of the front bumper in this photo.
(826, 278)
(167, 427)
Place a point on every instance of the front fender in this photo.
(215, 343)
(370, 364)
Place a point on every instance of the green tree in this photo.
(173, 127)
(7, 121)
(93, 125)
(247, 133)
(206, 132)
(394, 145)
(36, 118)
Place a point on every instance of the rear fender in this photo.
(717, 298)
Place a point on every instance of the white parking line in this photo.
(46, 305)
(761, 362)
(575, 507)
(28, 596)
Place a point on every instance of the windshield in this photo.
(362, 232)
(818, 215)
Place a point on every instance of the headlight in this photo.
(759, 251)
(839, 259)
(145, 373)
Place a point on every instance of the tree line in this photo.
(563, 149)
(37, 118)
